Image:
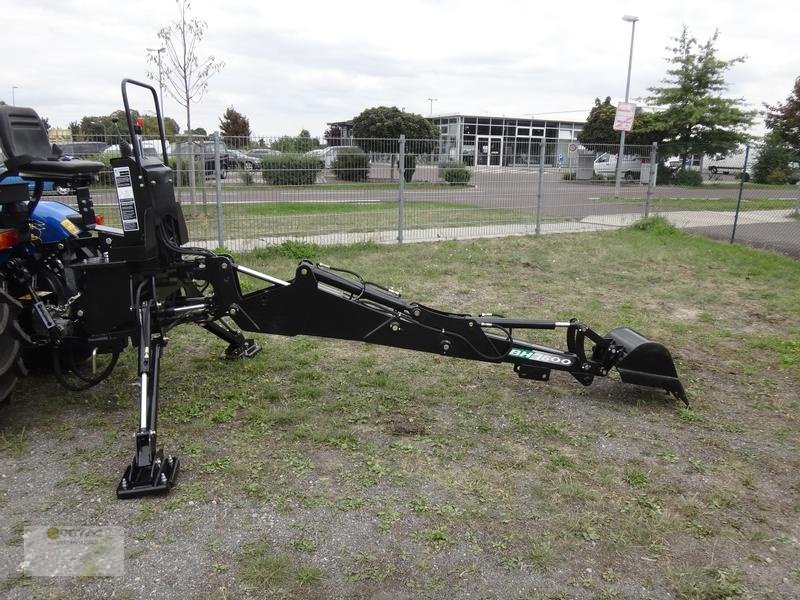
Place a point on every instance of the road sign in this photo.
(623, 119)
(573, 148)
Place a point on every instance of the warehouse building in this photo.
(494, 141)
(504, 141)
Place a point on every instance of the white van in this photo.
(731, 164)
(328, 154)
(605, 165)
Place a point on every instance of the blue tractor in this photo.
(74, 293)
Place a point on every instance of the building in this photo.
(503, 141)
(494, 141)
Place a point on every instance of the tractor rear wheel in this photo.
(11, 340)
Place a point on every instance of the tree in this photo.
(378, 129)
(599, 128)
(599, 125)
(772, 164)
(333, 136)
(374, 125)
(235, 128)
(109, 128)
(185, 73)
(303, 142)
(785, 118)
(696, 119)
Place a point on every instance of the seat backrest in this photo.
(23, 133)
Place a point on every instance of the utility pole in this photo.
(432, 100)
(158, 51)
(632, 20)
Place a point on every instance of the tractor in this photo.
(74, 290)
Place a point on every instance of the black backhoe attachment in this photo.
(137, 282)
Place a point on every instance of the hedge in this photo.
(351, 165)
(456, 173)
(291, 169)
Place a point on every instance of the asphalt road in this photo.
(780, 237)
(490, 188)
(516, 188)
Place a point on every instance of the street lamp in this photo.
(158, 51)
(13, 97)
(432, 100)
(632, 20)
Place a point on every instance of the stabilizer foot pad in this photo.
(157, 478)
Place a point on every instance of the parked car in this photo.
(259, 153)
(81, 149)
(149, 148)
(238, 160)
(328, 154)
(204, 150)
(605, 165)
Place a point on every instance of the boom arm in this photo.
(321, 302)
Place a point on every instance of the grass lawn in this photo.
(328, 469)
(724, 204)
(265, 219)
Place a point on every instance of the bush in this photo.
(247, 177)
(351, 165)
(778, 175)
(291, 169)
(665, 174)
(688, 177)
(182, 178)
(456, 173)
(570, 176)
(656, 224)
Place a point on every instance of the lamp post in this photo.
(432, 100)
(14, 88)
(158, 51)
(632, 20)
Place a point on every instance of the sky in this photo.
(295, 65)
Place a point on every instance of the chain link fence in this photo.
(247, 193)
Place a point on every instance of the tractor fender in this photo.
(57, 221)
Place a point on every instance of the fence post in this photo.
(540, 187)
(651, 183)
(797, 204)
(402, 188)
(741, 188)
(218, 181)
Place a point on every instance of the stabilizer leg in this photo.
(149, 472)
(238, 345)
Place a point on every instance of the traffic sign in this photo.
(623, 119)
(573, 148)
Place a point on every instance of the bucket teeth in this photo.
(645, 362)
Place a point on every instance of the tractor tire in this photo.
(12, 338)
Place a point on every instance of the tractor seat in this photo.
(29, 153)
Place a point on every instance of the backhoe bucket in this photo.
(646, 362)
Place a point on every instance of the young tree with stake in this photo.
(184, 71)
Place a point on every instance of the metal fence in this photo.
(243, 194)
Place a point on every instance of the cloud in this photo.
(299, 65)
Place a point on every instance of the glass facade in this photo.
(502, 141)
